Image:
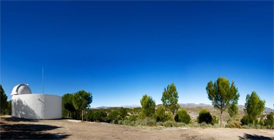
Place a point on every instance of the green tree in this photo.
(254, 106)
(4, 103)
(123, 112)
(148, 105)
(170, 99)
(81, 100)
(233, 110)
(67, 105)
(222, 95)
(182, 116)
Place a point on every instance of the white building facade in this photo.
(35, 106)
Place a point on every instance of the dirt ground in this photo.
(13, 128)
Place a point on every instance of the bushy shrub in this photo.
(180, 124)
(160, 123)
(229, 121)
(89, 116)
(136, 110)
(141, 115)
(146, 122)
(132, 118)
(123, 112)
(215, 120)
(204, 116)
(170, 124)
(270, 120)
(100, 116)
(150, 122)
(232, 124)
(261, 122)
(182, 116)
(161, 115)
(113, 116)
(246, 120)
(204, 125)
(125, 122)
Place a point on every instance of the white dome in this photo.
(21, 89)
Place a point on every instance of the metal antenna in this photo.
(43, 78)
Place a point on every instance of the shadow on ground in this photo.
(14, 119)
(255, 137)
(29, 131)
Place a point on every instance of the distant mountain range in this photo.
(188, 105)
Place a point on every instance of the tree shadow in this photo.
(29, 131)
(14, 119)
(255, 137)
(21, 110)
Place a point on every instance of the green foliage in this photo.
(170, 98)
(229, 121)
(123, 112)
(146, 122)
(100, 116)
(233, 110)
(231, 124)
(89, 115)
(160, 115)
(148, 105)
(204, 116)
(141, 115)
(182, 116)
(4, 103)
(136, 110)
(246, 120)
(222, 94)
(270, 120)
(113, 116)
(262, 122)
(254, 106)
(132, 118)
(215, 120)
(67, 105)
(170, 124)
(81, 100)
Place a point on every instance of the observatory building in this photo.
(35, 106)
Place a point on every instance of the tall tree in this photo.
(170, 99)
(4, 102)
(148, 105)
(81, 100)
(222, 94)
(254, 106)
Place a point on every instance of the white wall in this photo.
(37, 106)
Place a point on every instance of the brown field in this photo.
(12, 128)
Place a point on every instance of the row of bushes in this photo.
(268, 122)
(128, 116)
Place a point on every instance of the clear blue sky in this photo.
(120, 51)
